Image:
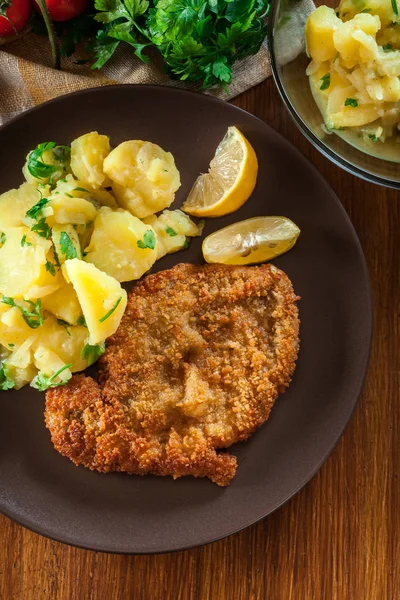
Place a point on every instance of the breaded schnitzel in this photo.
(196, 365)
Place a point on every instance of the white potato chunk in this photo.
(144, 177)
(121, 245)
(24, 265)
(67, 342)
(87, 156)
(62, 209)
(172, 227)
(101, 297)
(15, 203)
(76, 188)
(64, 304)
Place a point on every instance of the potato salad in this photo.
(83, 222)
(355, 67)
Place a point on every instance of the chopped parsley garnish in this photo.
(395, 7)
(387, 47)
(24, 242)
(366, 10)
(3, 238)
(34, 317)
(186, 244)
(67, 247)
(11, 345)
(42, 382)
(50, 267)
(36, 165)
(92, 353)
(80, 189)
(6, 383)
(110, 312)
(148, 241)
(374, 138)
(68, 195)
(36, 209)
(81, 321)
(351, 102)
(64, 324)
(170, 231)
(42, 228)
(326, 82)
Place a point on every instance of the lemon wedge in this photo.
(251, 241)
(230, 180)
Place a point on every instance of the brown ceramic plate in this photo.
(120, 513)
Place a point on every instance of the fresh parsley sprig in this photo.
(92, 353)
(6, 383)
(33, 317)
(43, 382)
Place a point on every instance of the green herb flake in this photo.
(36, 166)
(186, 244)
(374, 138)
(81, 189)
(6, 383)
(326, 82)
(81, 321)
(50, 267)
(366, 10)
(148, 241)
(110, 312)
(395, 7)
(64, 324)
(11, 345)
(42, 228)
(92, 353)
(42, 382)
(68, 195)
(171, 232)
(387, 48)
(24, 242)
(351, 102)
(3, 238)
(37, 208)
(67, 247)
(33, 316)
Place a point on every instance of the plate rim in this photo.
(368, 310)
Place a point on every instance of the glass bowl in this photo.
(289, 62)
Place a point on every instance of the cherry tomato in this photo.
(64, 10)
(17, 13)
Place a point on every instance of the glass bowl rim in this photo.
(302, 125)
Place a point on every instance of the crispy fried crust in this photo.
(196, 365)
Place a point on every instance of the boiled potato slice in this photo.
(144, 177)
(87, 156)
(14, 330)
(101, 297)
(49, 363)
(121, 245)
(76, 188)
(171, 228)
(64, 304)
(383, 8)
(66, 342)
(320, 27)
(15, 203)
(62, 209)
(23, 272)
(66, 242)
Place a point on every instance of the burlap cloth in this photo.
(26, 78)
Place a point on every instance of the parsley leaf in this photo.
(64, 324)
(80, 189)
(92, 353)
(374, 138)
(395, 7)
(6, 383)
(171, 232)
(24, 242)
(36, 209)
(42, 228)
(148, 241)
(50, 267)
(33, 317)
(351, 102)
(387, 47)
(326, 82)
(81, 321)
(43, 382)
(36, 165)
(3, 238)
(110, 312)
(67, 247)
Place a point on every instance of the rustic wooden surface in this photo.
(339, 538)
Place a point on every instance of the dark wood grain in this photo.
(339, 538)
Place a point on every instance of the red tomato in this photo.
(64, 10)
(17, 13)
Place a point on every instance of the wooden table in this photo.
(339, 538)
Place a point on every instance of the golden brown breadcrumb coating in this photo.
(196, 364)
